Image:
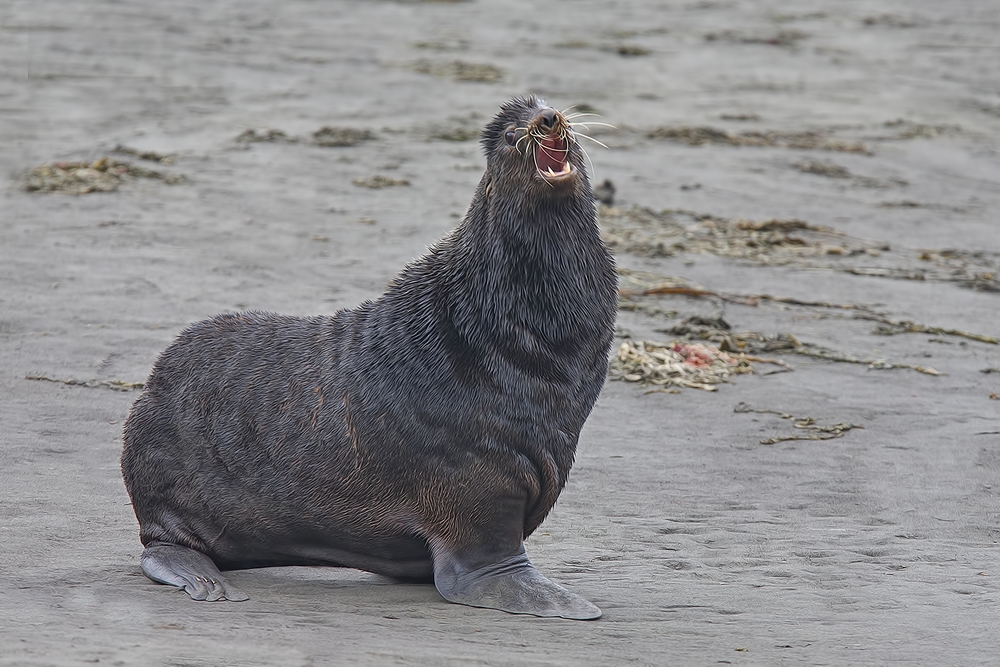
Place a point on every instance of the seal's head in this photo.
(532, 148)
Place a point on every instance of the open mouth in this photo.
(552, 157)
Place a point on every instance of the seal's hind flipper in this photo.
(188, 569)
(512, 585)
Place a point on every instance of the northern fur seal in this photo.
(421, 435)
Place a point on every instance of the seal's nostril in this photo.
(547, 119)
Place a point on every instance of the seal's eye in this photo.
(510, 136)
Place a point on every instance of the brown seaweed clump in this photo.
(77, 178)
(455, 128)
(340, 136)
(631, 50)
(716, 330)
(114, 385)
(152, 156)
(787, 242)
(264, 136)
(749, 344)
(677, 363)
(805, 140)
(642, 231)
(977, 270)
(828, 169)
(459, 70)
(378, 182)
(808, 427)
(785, 38)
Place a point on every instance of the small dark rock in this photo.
(605, 192)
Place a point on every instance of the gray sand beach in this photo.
(821, 178)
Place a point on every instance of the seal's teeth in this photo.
(551, 173)
(566, 167)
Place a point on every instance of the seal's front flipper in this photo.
(512, 585)
(188, 569)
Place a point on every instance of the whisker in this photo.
(588, 123)
(586, 156)
(584, 136)
(525, 130)
(534, 156)
(581, 115)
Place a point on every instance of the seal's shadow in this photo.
(336, 585)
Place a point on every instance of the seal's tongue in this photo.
(550, 156)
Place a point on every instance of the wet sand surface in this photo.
(875, 125)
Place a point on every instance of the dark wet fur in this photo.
(440, 419)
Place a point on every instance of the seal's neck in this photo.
(532, 269)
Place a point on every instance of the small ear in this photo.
(489, 186)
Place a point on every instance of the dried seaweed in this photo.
(443, 44)
(816, 431)
(789, 242)
(921, 131)
(677, 363)
(640, 283)
(636, 284)
(115, 385)
(810, 304)
(889, 20)
(895, 273)
(77, 178)
(718, 331)
(328, 136)
(978, 270)
(983, 282)
(377, 182)
(152, 156)
(255, 136)
(815, 139)
(906, 203)
(460, 71)
(788, 18)
(631, 50)
(647, 308)
(828, 169)
(874, 364)
(891, 327)
(785, 38)
(454, 133)
(804, 140)
(573, 44)
(642, 231)
(455, 128)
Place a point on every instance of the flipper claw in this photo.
(189, 570)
